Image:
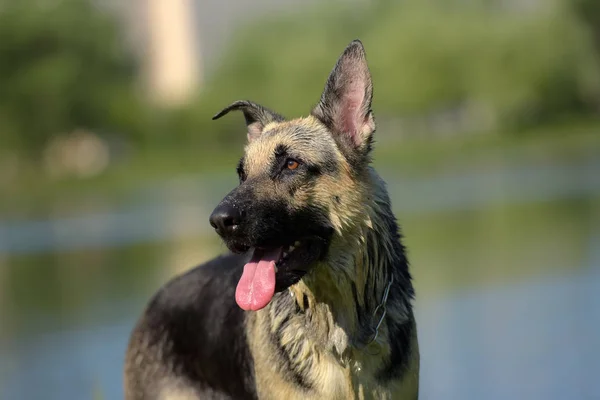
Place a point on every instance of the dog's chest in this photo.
(299, 361)
(328, 378)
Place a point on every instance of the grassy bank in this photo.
(409, 156)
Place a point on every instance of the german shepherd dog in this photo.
(315, 299)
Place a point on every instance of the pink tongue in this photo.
(257, 284)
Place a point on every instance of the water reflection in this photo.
(506, 264)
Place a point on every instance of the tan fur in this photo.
(336, 366)
(177, 393)
(349, 375)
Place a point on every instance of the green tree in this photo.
(63, 65)
(589, 12)
(504, 69)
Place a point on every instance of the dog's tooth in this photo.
(285, 254)
(297, 243)
(292, 248)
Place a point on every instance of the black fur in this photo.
(252, 112)
(401, 350)
(202, 339)
(403, 294)
(272, 223)
(286, 358)
(240, 170)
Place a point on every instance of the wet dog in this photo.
(315, 299)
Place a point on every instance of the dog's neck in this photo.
(348, 290)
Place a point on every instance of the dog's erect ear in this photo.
(345, 105)
(257, 116)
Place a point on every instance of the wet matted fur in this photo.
(318, 263)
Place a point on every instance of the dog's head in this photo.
(300, 181)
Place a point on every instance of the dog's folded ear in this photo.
(345, 105)
(257, 116)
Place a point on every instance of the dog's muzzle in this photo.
(226, 219)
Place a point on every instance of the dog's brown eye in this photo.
(292, 164)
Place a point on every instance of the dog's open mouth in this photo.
(274, 269)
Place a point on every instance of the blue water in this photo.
(536, 340)
(536, 336)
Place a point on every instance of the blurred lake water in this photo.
(506, 261)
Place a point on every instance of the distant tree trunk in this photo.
(173, 68)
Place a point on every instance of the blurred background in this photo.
(489, 139)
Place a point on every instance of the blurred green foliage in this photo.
(501, 65)
(64, 65)
(508, 67)
(589, 12)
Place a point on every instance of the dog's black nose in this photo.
(225, 219)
